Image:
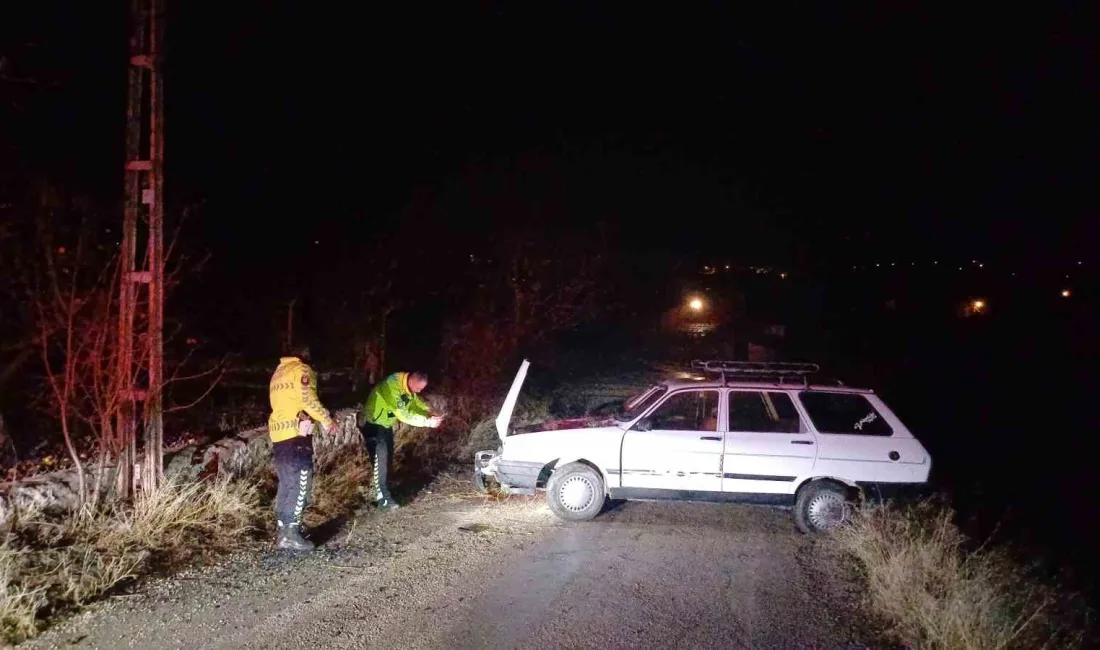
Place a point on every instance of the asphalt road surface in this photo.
(450, 572)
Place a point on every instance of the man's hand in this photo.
(435, 421)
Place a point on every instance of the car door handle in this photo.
(714, 438)
(802, 442)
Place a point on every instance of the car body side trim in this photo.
(656, 494)
(760, 477)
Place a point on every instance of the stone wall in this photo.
(236, 455)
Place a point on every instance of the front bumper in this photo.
(520, 477)
(484, 465)
(485, 462)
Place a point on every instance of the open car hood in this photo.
(504, 418)
(505, 415)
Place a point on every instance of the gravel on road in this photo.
(456, 571)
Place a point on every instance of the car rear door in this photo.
(768, 447)
(677, 446)
(861, 440)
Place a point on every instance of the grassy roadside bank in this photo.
(932, 588)
(52, 564)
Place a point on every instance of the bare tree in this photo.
(67, 337)
(361, 316)
(551, 285)
(75, 299)
(527, 289)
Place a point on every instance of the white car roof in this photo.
(687, 380)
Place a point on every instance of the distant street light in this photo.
(974, 307)
(696, 304)
(1066, 293)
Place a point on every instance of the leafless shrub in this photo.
(534, 289)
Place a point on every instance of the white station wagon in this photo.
(729, 431)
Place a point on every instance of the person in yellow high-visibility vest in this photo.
(295, 410)
(395, 398)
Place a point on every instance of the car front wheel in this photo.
(822, 507)
(575, 492)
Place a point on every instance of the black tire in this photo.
(575, 492)
(821, 507)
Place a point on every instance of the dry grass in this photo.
(19, 604)
(48, 565)
(932, 592)
(338, 477)
(458, 484)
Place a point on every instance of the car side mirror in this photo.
(645, 424)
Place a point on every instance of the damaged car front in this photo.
(525, 458)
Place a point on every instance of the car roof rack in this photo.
(780, 371)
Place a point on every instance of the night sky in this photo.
(807, 132)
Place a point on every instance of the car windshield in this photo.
(636, 405)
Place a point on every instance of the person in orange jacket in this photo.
(295, 410)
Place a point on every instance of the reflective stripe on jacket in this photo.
(391, 400)
(293, 389)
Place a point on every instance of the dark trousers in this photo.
(294, 467)
(379, 442)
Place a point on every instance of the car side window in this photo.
(693, 410)
(844, 413)
(763, 411)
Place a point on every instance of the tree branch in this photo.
(200, 398)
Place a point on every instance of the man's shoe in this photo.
(386, 502)
(290, 538)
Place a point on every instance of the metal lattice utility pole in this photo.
(144, 204)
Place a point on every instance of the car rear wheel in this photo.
(575, 492)
(821, 507)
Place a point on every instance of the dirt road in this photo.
(451, 572)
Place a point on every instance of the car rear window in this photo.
(844, 413)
